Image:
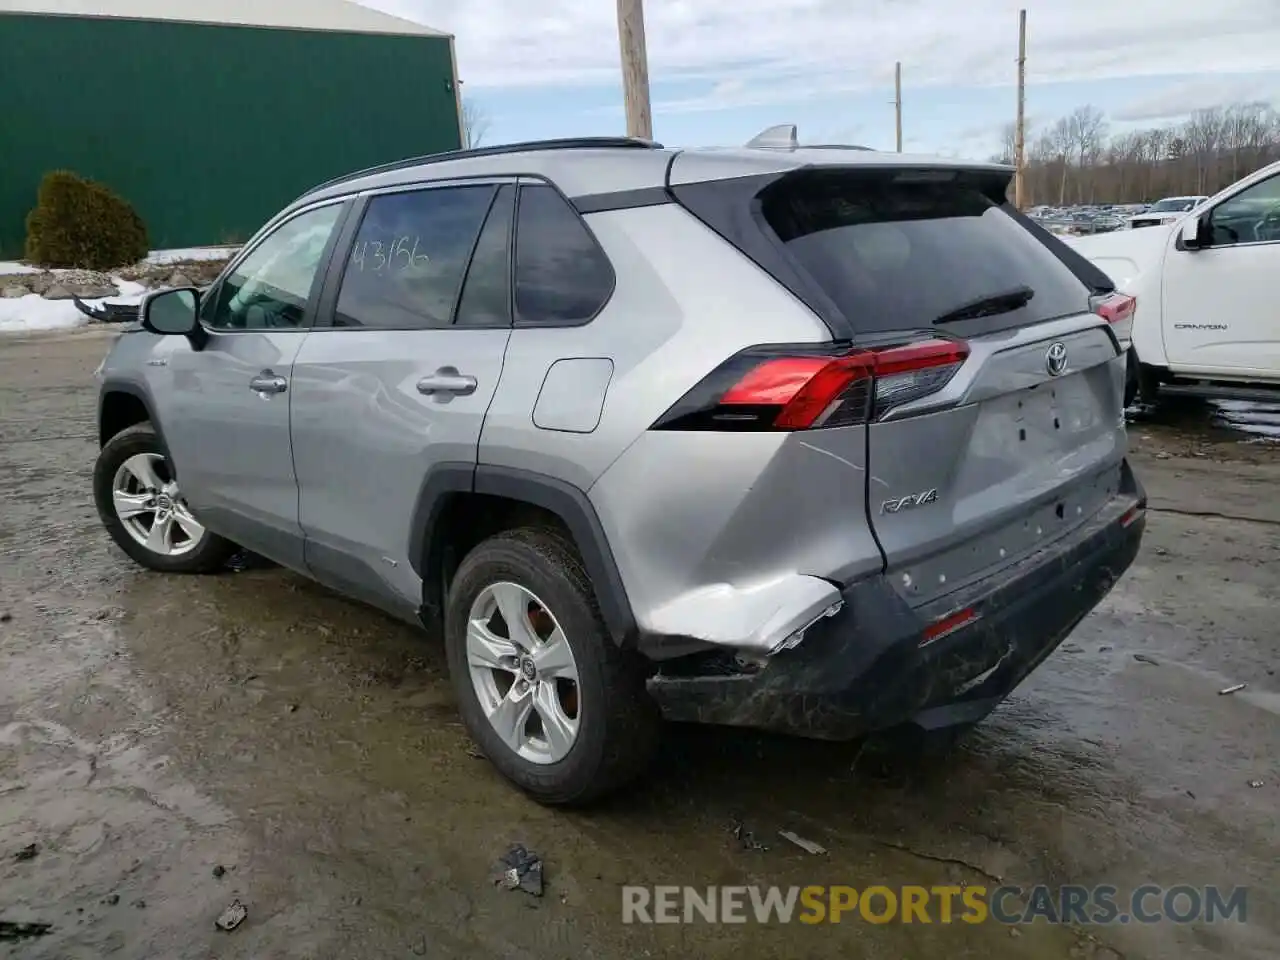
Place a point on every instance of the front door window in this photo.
(269, 288)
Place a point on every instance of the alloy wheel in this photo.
(523, 672)
(146, 499)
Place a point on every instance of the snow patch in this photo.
(12, 266)
(163, 257)
(130, 292)
(33, 314)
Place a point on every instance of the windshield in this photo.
(1174, 205)
(898, 255)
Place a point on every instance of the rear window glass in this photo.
(562, 276)
(895, 255)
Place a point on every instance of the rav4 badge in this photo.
(906, 503)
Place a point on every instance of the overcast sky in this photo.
(721, 70)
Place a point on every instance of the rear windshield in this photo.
(894, 253)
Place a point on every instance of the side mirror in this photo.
(172, 312)
(1193, 233)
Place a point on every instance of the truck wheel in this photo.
(136, 492)
(1148, 384)
(548, 695)
(1131, 379)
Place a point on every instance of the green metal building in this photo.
(211, 119)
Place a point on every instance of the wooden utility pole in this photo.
(635, 68)
(1019, 131)
(897, 101)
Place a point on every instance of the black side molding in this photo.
(622, 200)
(441, 480)
(572, 506)
(564, 500)
(139, 392)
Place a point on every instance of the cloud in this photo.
(752, 52)
(1185, 98)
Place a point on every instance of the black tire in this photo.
(209, 555)
(1131, 380)
(618, 722)
(1148, 384)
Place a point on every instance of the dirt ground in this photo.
(153, 729)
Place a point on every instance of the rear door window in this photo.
(410, 254)
(897, 251)
(486, 294)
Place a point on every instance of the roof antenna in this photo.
(781, 137)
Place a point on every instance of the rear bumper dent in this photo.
(872, 665)
(761, 619)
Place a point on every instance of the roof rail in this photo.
(567, 143)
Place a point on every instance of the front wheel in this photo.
(136, 491)
(548, 695)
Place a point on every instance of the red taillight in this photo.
(773, 389)
(945, 626)
(775, 381)
(1132, 516)
(925, 355)
(1116, 308)
(915, 370)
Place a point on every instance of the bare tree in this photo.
(1008, 137)
(475, 123)
(1085, 131)
(1062, 140)
(1213, 148)
(1204, 133)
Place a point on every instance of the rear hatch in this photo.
(994, 420)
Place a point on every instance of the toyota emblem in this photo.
(1055, 359)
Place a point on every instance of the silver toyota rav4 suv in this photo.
(816, 440)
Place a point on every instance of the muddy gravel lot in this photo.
(170, 744)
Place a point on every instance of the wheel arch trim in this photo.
(556, 496)
(136, 389)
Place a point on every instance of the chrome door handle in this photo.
(447, 380)
(268, 382)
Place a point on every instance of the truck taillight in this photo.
(802, 388)
(1116, 308)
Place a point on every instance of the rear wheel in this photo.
(552, 701)
(136, 492)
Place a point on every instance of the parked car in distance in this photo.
(1206, 316)
(819, 441)
(1164, 211)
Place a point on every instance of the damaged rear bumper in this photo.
(876, 663)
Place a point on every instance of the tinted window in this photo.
(1251, 216)
(409, 256)
(269, 288)
(486, 295)
(562, 275)
(897, 254)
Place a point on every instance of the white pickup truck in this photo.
(1207, 287)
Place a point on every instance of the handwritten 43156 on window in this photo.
(392, 257)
